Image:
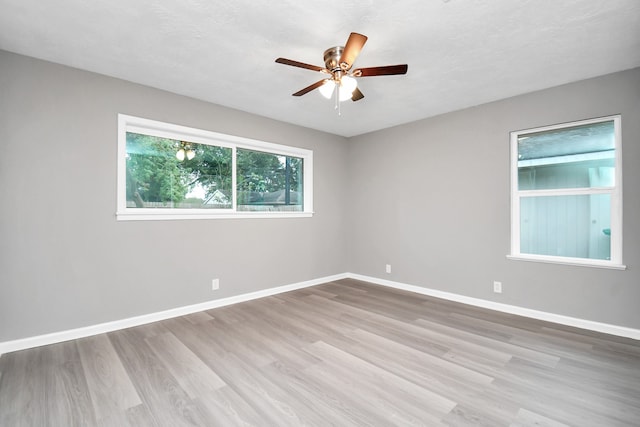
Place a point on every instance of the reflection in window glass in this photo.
(167, 173)
(575, 157)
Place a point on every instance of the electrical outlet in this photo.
(497, 287)
(215, 284)
(388, 268)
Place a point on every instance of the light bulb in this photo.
(327, 88)
(347, 86)
(180, 154)
(190, 154)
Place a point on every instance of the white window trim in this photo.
(616, 201)
(128, 123)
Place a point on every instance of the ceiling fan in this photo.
(338, 61)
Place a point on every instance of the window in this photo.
(168, 171)
(566, 193)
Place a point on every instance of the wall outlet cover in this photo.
(497, 287)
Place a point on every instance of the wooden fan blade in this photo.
(357, 95)
(308, 89)
(352, 49)
(387, 70)
(293, 63)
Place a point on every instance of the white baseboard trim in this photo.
(606, 328)
(57, 337)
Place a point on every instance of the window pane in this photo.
(167, 173)
(567, 226)
(268, 182)
(573, 157)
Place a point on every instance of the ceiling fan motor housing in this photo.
(332, 58)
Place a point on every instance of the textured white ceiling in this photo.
(460, 52)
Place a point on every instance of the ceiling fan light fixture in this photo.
(344, 95)
(338, 61)
(327, 88)
(348, 84)
(346, 87)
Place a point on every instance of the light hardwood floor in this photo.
(343, 353)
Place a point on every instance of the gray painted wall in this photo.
(431, 198)
(67, 263)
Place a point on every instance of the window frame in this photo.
(127, 123)
(615, 192)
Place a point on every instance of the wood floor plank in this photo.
(527, 418)
(561, 382)
(336, 406)
(344, 353)
(306, 323)
(358, 318)
(224, 407)
(407, 354)
(110, 387)
(404, 400)
(69, 397)
(192, 373)
(140, 416)
(202, 341)
(465, 338)
(463, 416)
(23, 400)
(250, 350)
(53, 376)
(443, 377)
(279, 344)
(199, 317)
(160, 392)
(269, 400)
(593, 376)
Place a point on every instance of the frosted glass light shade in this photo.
(347, 86)
(327, 88)
(180, 155)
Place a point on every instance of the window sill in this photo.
(569, 261)
(144, 216)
